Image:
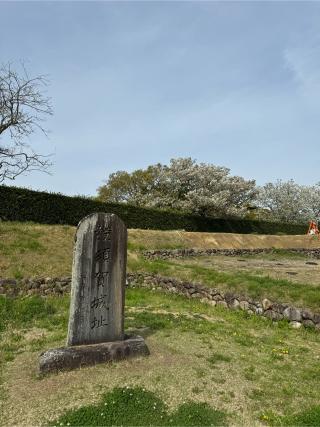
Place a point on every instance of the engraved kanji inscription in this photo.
(102, 278)
(99, 302)
(99, 321)
(102, 254)
(98, 280)
(102, 232)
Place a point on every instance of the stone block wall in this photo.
(180, 253)
(273, 310)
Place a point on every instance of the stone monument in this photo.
(96, 321)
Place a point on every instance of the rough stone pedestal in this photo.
(68, 358)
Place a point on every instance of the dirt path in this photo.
(152, 239)
(294, 270)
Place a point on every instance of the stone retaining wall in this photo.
(179, 253)
(275, 311)
(35, 286)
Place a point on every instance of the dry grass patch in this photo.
(156, 239)
(30, 250)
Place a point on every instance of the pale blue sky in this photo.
(235, 84)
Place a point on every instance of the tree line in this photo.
(183, 185)
(209, 190)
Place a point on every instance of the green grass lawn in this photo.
(208, 365)
(214, 365)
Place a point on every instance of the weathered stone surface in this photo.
(308, 323)
(67, 358)
(222, 304)
(307, 314)
(234, 304)
(229, 297)
(98, 280)
(196, 295)
(273, 315)
(244, 305)
(213, 292)
(316, 318)
(279, 307)
(266, 304)
(292, 314)
(295, 325)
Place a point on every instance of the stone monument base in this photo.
(68, 358)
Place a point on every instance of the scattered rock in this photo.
(307, 314)
(266, 304)
(292, 314)
(222, 304)
(295, 325)
(316, 318)
(235, 304)
(308, 323)
(196, 295)
(273, 315)
(244, 305)
(279, 307)
(229, 297)
(212, 302)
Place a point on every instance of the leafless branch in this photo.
(23, 109)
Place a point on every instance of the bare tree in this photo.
(23, 108)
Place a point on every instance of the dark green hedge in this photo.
(20, 204)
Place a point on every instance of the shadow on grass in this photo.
(139, 407)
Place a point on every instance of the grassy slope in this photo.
(246, 367)
(31, 250)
